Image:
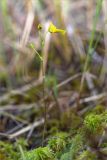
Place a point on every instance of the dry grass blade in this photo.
(26, 129)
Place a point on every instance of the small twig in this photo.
(21, 107)
(90, 99)
(15, 129)
(68, 80)
(26, 129)
(15, 118)
(93, 98)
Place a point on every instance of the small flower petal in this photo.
(52, 29)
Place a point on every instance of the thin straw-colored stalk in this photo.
(28, 23)
(90, 13)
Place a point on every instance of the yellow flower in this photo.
(39, 27)
(52, 29)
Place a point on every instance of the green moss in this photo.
(41, 153)
(73, 148)
(53, 130)
(76, 145)
(87, 155)
(58, 142)
(104, 144)
(66, 156)
(93, 123)
(2, 156)
(70, 121)
(53, 126)
(98, 109)
(104, 117)
(9, 151)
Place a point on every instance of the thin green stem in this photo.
(42, 39)
(32, 46)
(43, 74)
(90, 50)
(45, 107)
